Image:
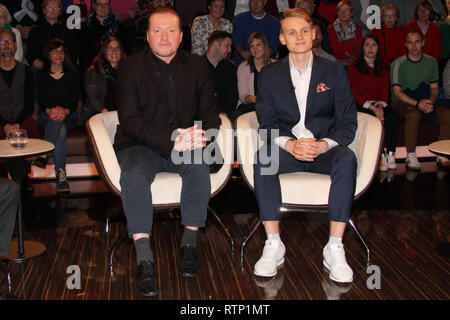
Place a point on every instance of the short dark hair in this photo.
(165, 10)
(218, 35)
(416, 32)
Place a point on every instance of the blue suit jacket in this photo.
(329, 114)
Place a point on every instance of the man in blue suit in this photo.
(309, 101)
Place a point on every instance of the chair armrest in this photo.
(101, 131)
(367, 147)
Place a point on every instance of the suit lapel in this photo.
(290, 90)
(315, 78)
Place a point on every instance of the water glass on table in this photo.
(18, 138)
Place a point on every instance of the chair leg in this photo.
(362, 240)
(255, 227)
(111, 250)
(224, 228)
(5, 269)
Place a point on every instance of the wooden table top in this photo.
(441, 147)
(34, 147)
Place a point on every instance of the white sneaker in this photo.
(383, 163)
(392, 165)
(334, 260)
(271, 259)
(412, 162)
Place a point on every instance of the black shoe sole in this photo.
(148, 294)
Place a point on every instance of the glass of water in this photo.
(18, 138)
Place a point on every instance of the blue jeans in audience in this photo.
(56, 133)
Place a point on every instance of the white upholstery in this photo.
(166, 189)
(312, 189)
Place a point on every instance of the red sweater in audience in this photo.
(392, 41)
(368, 87)
(345, 50)
(433, 44)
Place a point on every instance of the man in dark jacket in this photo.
(160, 93)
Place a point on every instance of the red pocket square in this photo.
(322, 87)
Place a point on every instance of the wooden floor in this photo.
(409, 246)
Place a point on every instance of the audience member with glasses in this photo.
(5, 23)
(16, 102)
(99, 79)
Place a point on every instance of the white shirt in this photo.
(301, 81)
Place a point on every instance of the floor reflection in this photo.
(271, 285)
(332, 289)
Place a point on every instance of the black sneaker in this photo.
(189, 262)
(146, 282)
(61, 181)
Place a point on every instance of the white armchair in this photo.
(366, 146)
(166, 188)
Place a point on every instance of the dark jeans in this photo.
(56, 133)
(338, 162)
(9, 204)
(390, 127)
(139, 166)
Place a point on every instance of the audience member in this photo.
(101, 25)
(414, 81)
(252, 21)
(345, 35)
(422, 23)
(16, 101)
(317, 45)
(58, 91)
(222, 70)
(48, 27)
(203, 26)
(248, 72)
(369, 79)
(99, 79)
(5, 22)
(391, 36)
(407, 9)
(310, 7)
(9, 205)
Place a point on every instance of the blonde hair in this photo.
(296, 13)
(4, 11)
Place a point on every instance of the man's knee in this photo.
(346, 157)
